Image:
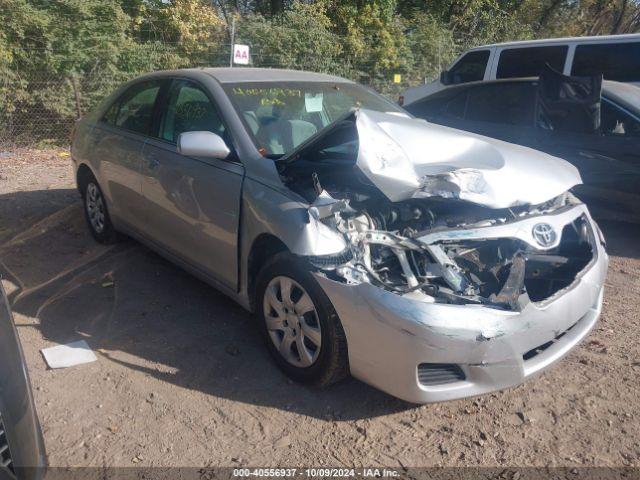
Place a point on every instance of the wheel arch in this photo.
(83, 175)
(264, 246)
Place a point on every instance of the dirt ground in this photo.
(182, 377)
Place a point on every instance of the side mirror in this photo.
(202, 144)
(445, 77)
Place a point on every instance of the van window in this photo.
(506, 103)
(470, 68)
(529, 62)
(615, 61)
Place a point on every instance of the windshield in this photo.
(282, 115)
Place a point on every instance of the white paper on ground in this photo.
(75, 353)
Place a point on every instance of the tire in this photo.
(96, 213)
(329, 360)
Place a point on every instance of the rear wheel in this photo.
(96, 213)
(302, 329)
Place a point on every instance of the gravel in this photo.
(183, 379)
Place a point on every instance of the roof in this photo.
(626, 94)
(247, 74)
(608, 85)
(600, 38)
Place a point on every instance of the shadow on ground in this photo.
(169, 325)
(125, 298)
(623, 239)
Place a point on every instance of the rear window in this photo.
(451, 106)
(529, 62)
(510, 104)
(615, 61)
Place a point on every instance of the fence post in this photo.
(76, 94)
(233, 39)
(439, 54)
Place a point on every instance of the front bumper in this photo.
(389, 335)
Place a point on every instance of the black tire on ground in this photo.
(331, 364)
(92, 194)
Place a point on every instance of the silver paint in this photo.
(409, 158)
(487, 343)
(207, 215)
(292, 321)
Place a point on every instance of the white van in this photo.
(617, 57)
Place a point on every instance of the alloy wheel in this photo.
(95, 207)
(292, 321)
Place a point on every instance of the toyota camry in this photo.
(431, 263)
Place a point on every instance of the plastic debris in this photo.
(69, 355)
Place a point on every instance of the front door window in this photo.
(470, 68)
(189, 110)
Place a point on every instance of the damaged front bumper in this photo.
(428, 352)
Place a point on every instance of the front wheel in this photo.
(302, 329)
(96, 213)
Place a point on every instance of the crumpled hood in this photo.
(409, 158)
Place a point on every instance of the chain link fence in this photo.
(38, 109)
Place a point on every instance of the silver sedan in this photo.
(431, 263)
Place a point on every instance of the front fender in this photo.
(270, 210)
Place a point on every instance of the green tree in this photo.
(300, 38)
(433, 47)
(372, 35)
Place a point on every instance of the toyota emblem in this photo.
(544, 234)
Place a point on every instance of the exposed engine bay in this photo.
(433, 249)
(424, 224)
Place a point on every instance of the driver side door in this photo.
(192, 203)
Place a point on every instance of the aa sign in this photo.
(241, 54)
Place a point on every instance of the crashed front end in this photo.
(449, 285)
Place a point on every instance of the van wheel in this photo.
(301, 328)
(96, 213)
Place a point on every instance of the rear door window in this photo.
(509, 104)
(470, 68)
(135, 107)
(455, 107)
(111, 114)
(615, 61)
(530, 61)
(450, 105)
(616, 122)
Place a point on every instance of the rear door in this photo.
(117, 142)
(193, 204)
